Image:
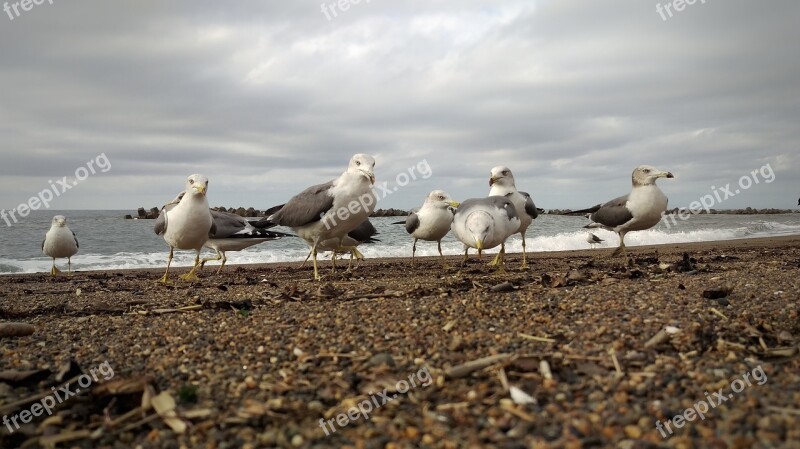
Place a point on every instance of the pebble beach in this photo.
(580, 350)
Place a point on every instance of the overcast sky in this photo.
(266, 98)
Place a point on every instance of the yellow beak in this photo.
(479, 244)
(454, 204)
(200, 188)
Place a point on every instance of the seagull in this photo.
(502, 184)
(484, 223)
(363, 233)
(60, 242)
(186, 223)
(593, 239)
(331, 210)
(639, 210)
(432, 221)
(235, 233)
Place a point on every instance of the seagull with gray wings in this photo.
(331, 210)
(60, 242)
(484, 223)
(186, 223)
(502, 184)
(637, 211)
(432, 221)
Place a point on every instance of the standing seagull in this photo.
(235, 233)
(639, 210)
(502, 184)
(593, 239)
(187, 223)
(333, 209)
(432, 221)
(484, 223)
(60, 242)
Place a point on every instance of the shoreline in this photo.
(749, 242)
(261, 353)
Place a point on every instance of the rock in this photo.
(718, 292)
(381, 358)
(11, 330)
(504, 287)
(141, 213)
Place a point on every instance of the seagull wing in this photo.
(306, 207)
(412, 222)
(160, 227)
(530, 208)
(613, 213)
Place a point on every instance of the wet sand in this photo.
(257, 355)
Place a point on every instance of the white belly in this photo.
(59, 242)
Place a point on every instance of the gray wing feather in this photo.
(306, 207)
(530, 208)
(43, 240)
(227, 224)
(613, 213)
(412, 223)
(363, 232)
(160, 225)
(76, 240)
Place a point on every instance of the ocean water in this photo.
(107, 241)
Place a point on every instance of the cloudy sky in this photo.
(267, 97)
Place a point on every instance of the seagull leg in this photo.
(314, 260)
(191, 276)
(524, 255)
(621, 247)
(224, 259)
(54, 271)
(466, 256)
(203, 262)
(413, 251)
(500, 258)
(165, 279)
(441, 256)
(307, 257)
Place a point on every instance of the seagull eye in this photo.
(647, 170)
(191, 181)
(358, 162)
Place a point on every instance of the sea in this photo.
(110, 242)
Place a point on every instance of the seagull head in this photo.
(441, 199)
(501, 175)
(645, 175)
(60, 221)
(364, 165)
(196, 185)
(480, 225)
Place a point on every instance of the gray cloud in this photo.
(266, 98)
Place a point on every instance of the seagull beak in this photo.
(479, 244)
(492, 180)
(200, 188)
(370, 175)
(454, 204)
(667, 174)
